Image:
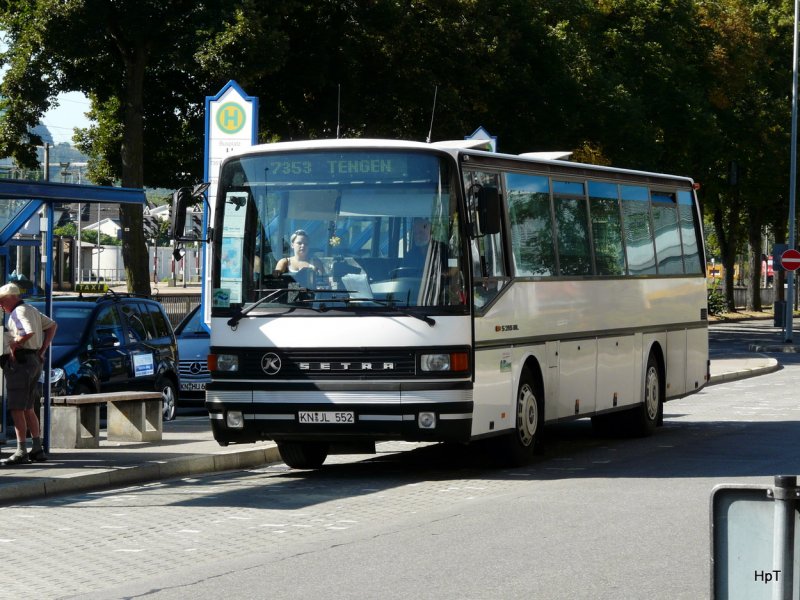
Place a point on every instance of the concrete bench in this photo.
(130, 417)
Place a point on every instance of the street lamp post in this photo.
(155, 261)
(98, 245)
(64, 175)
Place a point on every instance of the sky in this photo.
(69, 114)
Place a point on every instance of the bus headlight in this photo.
(454, 361)
(435, 362)
(234, 419)
(223, 362)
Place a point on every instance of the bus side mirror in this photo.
(489, 210)
(181, 200)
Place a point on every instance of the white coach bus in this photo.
(367, 290)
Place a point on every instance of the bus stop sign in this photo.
(790, 259)
(755, 546)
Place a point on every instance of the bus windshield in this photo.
(338, 230)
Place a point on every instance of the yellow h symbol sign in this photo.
(230, 117)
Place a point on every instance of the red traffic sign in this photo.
(790, 259)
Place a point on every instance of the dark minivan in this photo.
(116, 342)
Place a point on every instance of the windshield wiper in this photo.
(234, 320)
(323, 307)
(389, 304)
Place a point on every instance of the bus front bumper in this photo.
(341, 416)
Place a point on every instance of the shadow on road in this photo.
(715, 449)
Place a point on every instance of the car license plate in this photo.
(189, 387)
(326, 417)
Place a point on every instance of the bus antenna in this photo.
(433, 112)
(338, 109)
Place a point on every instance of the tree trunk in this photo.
(754, 240)
(134, 248)
(727, 247)
(779, 278)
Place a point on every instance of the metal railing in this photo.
(767, 297)
(177, 306)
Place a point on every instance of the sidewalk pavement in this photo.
(188, 448)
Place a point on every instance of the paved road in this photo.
(594, 518)
(736, 338)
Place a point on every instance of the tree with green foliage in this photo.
(685, 86)
(145, 65)
(746, 182)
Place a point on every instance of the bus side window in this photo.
(666, 226)
(569, 206)
(693, 264)
(487, 256)
(638, 231)
(531, 225)
(609, 250)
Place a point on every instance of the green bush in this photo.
(716, 302)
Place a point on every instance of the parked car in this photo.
(193, 341)
(114, 342)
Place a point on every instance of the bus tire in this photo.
(304, 455)
(645, 418)
(518, 448)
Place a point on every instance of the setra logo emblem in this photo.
(270, 363)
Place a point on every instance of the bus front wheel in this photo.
(646, 416)
(303, 455)
(518, 448)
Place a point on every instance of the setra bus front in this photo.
(339, 298)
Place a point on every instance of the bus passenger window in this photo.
(531, 225)
(667, 233)
(574, 256)
(691, 253)
(609, 251)
(638, 232)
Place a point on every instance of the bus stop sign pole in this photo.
(792, 184)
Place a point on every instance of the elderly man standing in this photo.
(24, 346)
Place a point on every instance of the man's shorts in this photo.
(22, 381)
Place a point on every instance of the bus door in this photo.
(494, 372)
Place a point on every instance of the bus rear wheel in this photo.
(518, 448)
(303, 455)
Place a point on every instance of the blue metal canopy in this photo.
(20, 200)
